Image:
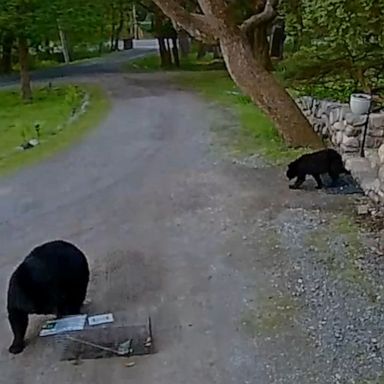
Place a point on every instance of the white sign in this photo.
(100, 319)
(65, 324)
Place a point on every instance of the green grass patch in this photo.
(256, 133)
(152, 63)
(45, 118)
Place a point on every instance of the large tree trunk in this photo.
(260, 46)
(266, 92)
(25, 80)
(6, 59)
(246, 70)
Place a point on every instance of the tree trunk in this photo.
(185, 45)
(6, 59)
(261, 47)
(64, 44)
(201, 50)
(135, 24)
(246, 70)
(175, 52)
(119, 29)
(266, 92)
(168, 52)
(217, 52)
(164, 55)
(26, 90)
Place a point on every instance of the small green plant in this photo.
(72, 97)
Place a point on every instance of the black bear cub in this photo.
(52, 279)
(316, 164)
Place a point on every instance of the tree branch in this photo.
(201, 27)
(266, 15)
(216, 8)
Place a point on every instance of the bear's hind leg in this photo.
(318, 181)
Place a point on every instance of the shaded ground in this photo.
(225, 258)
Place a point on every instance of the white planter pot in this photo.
(360, 103)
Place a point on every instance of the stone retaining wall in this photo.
(335, 121)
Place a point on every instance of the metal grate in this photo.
(107, 342)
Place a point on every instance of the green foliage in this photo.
(335, 40)
(85, 22)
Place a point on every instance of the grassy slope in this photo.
(49, 109)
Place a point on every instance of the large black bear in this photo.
(316, 164)
(53, 279)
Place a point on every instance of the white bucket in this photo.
(360, 103)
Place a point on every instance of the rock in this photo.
(381, 240)
(344, 110)
(380, 194)
(357, 165)
(345, 149)
(339, 138)
(376, 132)
(317, 127)
(334, 115)
(378, 141)
(130, 364)
(362, 209)
(351, 142)
(355, 120)
(373, 157)
(30, 144)
(381, 174)
(376, 120)
(369, 142)
(33, 142)
(352, 131)
(339, 126)
(373, 196)
(368, 183)
(381, 153)
(306, 101)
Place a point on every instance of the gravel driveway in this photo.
(242, 276)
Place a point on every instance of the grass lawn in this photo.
(256, 133)
(151, 63)
(51, 108)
